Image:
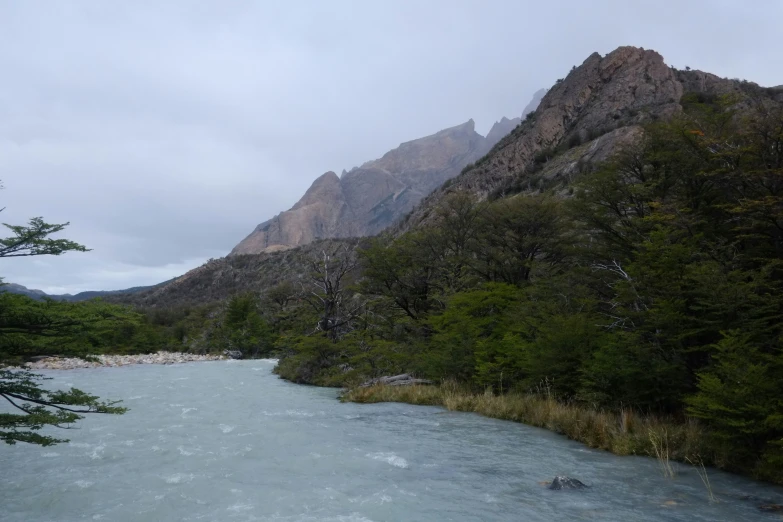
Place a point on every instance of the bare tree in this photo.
(327, 293)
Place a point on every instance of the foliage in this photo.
(243, 328)
(33, 240)
(40, 408)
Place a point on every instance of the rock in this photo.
(232, 354)
(63, 363)
(562, 482)
(404, 379)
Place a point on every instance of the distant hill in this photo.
(19, 289)
(81, 296)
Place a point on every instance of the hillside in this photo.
(219, 279)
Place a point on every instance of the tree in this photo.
(33, 240)
(327, 293)
(40, 408)
(19, 321)
(243, 328)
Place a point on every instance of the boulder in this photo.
(561, 482)
(232, 354)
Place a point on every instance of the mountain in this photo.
(500, 129)
(13, 288)
(535, 102)
(81, 296)
(367, 199)
(584, 119)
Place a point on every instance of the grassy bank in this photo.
(625, 433)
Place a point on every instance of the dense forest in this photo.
(652, 283)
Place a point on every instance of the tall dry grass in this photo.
(625, 433)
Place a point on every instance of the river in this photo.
(229, 441)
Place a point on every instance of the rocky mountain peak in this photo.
(585, 117)
(500, 129)
(430, 152)
(326, 186)
(534, 103)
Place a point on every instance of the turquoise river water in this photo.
(229, 441)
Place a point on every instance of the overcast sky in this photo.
(165, 131)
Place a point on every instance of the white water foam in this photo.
(84, 484)
(178, 478)
(225, 428)
(389, 458)
(288, 413)
(97, 452)
(236, 508)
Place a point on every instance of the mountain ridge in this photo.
(369, 198)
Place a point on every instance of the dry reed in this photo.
(625, 433)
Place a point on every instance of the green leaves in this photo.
(40, 408)
(33, 240)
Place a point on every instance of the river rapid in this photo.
(229, 441)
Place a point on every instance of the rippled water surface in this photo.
(225, 441)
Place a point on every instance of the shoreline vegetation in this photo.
(627, 432)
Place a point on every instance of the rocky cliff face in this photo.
(369, 198)
(584, 118)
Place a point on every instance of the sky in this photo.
(164, 132)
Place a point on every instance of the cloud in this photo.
(165, 131)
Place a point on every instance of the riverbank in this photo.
(626, 433)
(98, 361)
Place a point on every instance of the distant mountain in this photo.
(535, 102)
(367, 199)
(19, 289)
(81, 296)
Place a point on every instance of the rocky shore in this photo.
(63, 363)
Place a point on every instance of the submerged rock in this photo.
(775, 508)
(561, 482)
